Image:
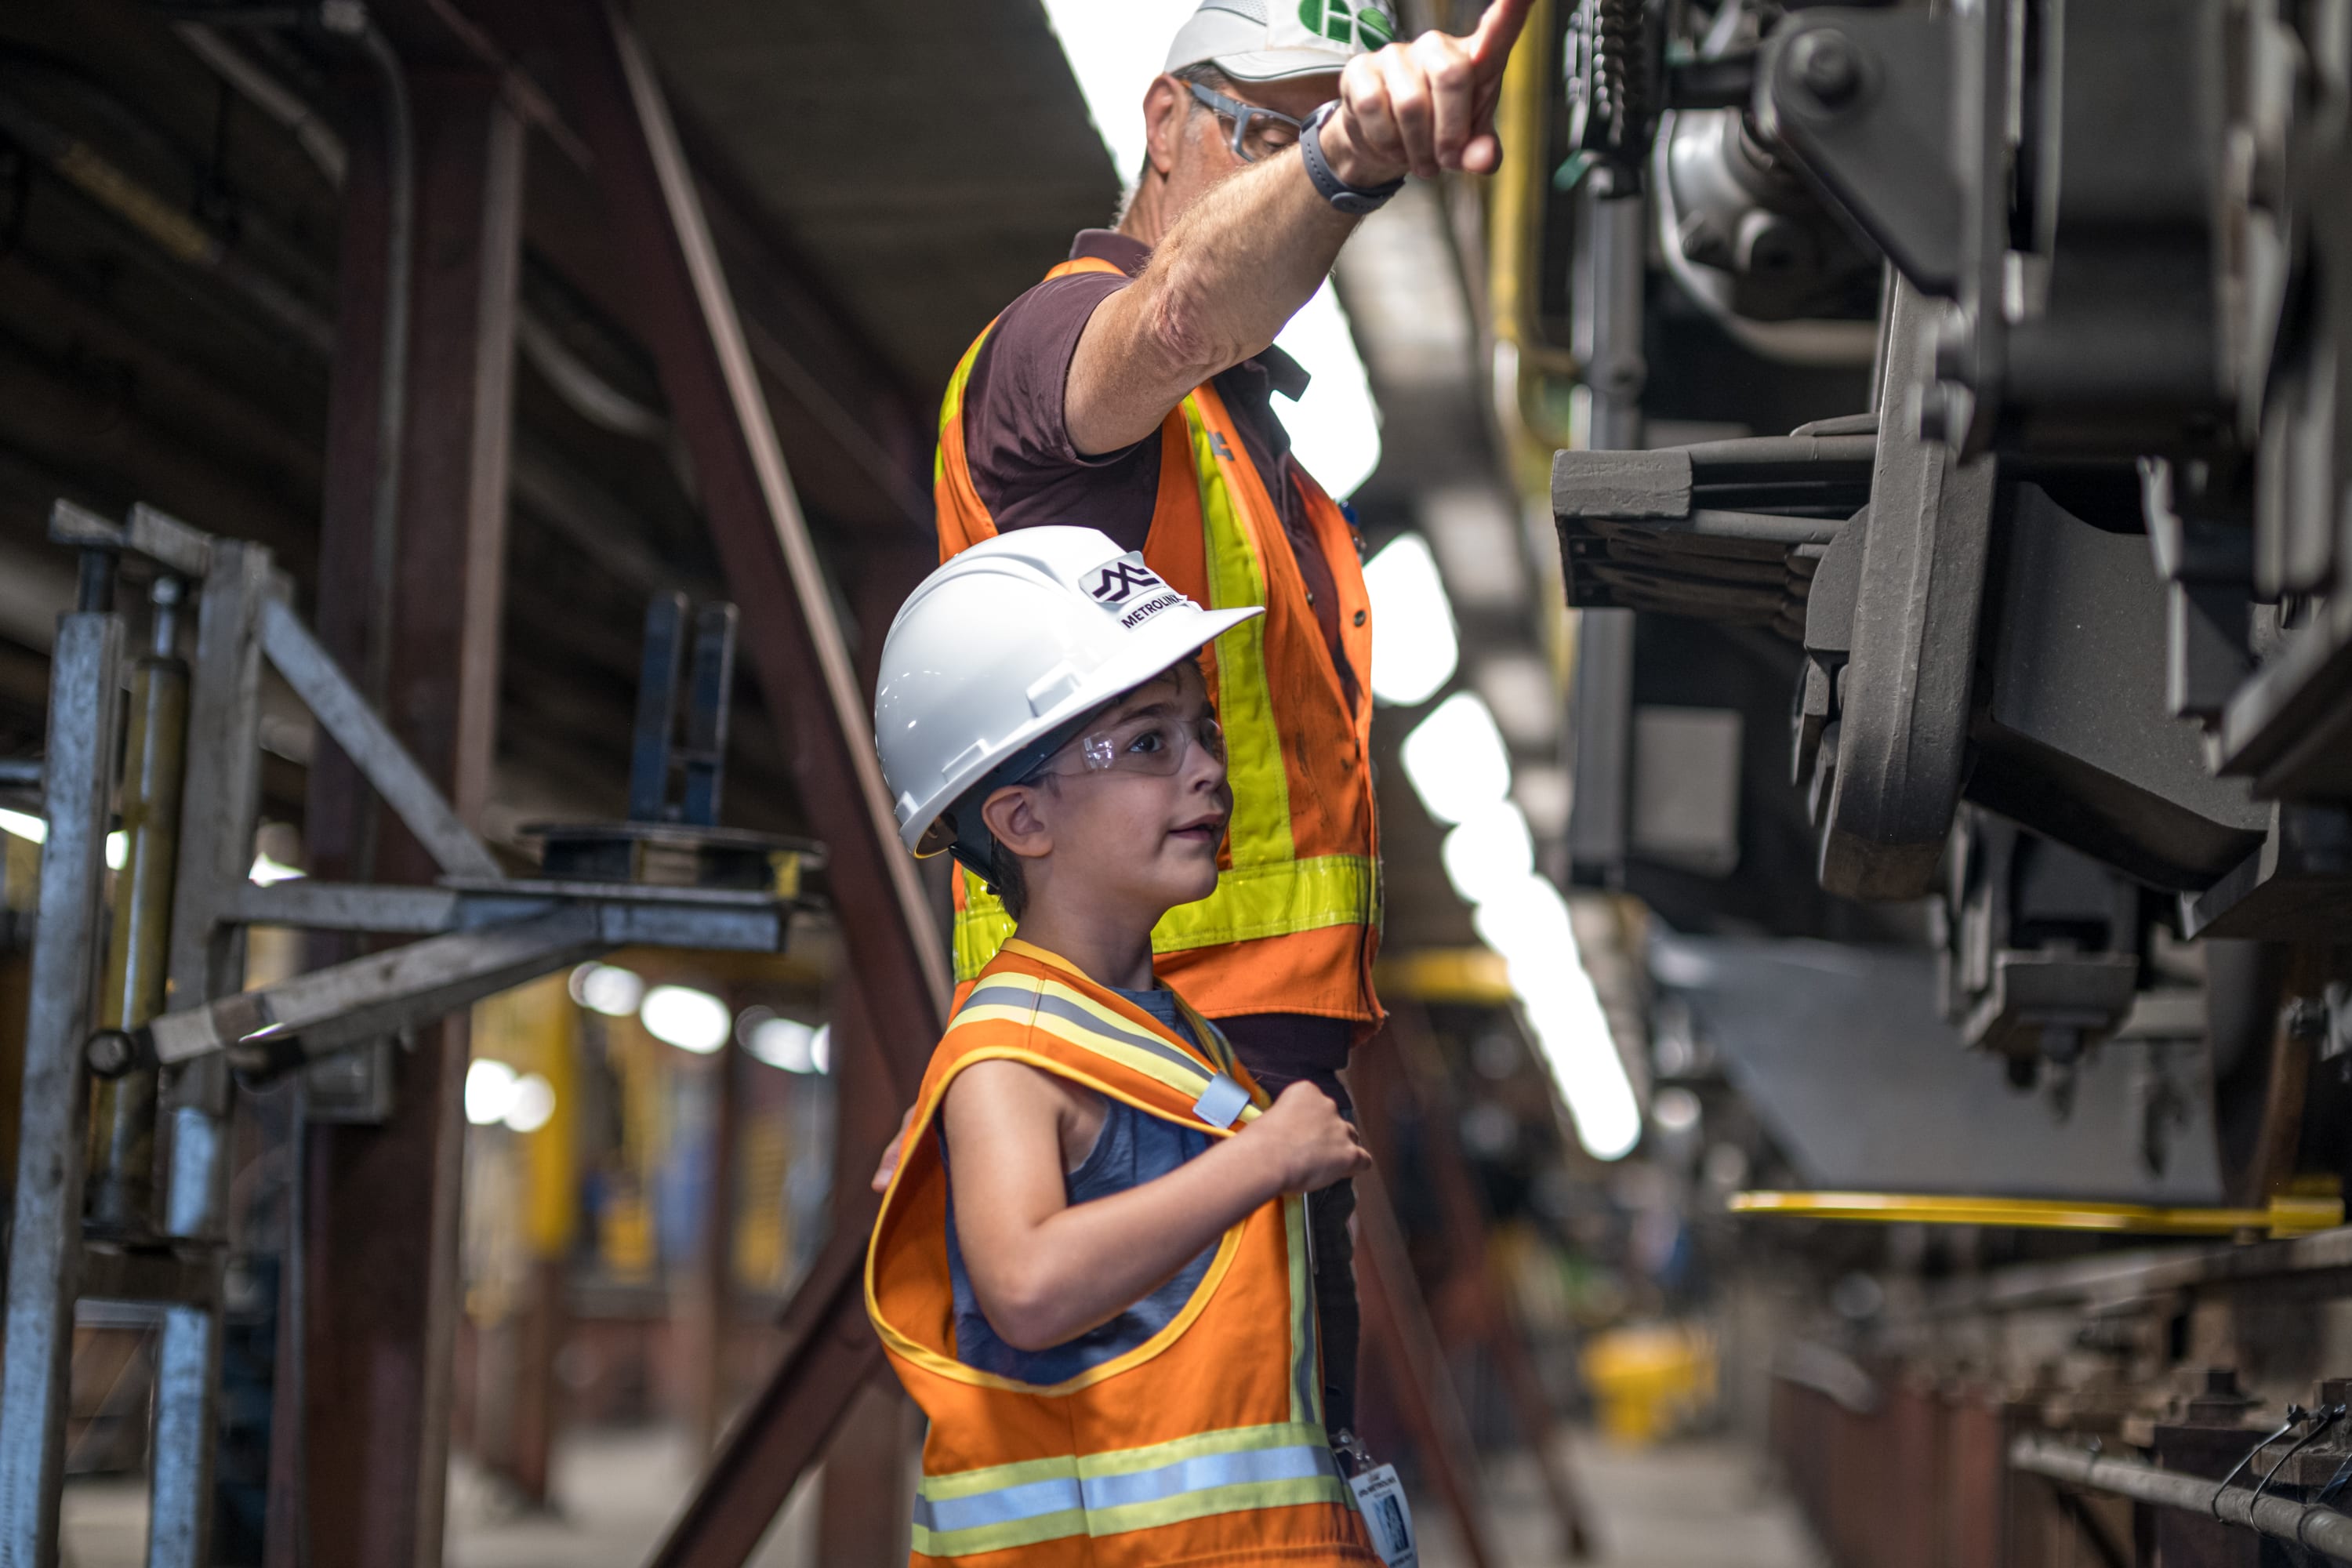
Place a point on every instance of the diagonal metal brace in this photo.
(379, 993)
(381, 759)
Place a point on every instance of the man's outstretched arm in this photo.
(1239, 263)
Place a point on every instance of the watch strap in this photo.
(1353, 200)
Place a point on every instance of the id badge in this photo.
(1387, 1516)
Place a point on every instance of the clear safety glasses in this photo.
(1256, 133)
(1157, 744)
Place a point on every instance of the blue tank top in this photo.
(1132, 1148)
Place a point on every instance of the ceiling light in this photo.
(118, 851)
(490, 1091)
(607, 988)
(821, 1049)
(1490, 852)
(691, 1020)
(1674, 1110)
(531, 1104)
(1527, 922)
(28, 827)
(784, 1043)
(1454, 759)
(1413, 647)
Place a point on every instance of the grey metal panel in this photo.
(371, 745)
(1600, 821)
(1841, 1052)
(44, 1245)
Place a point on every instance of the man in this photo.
(1131, 391)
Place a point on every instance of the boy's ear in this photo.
(1012, 815)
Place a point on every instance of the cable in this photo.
(2295, 1417)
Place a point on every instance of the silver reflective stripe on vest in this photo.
(1113, 1493)
(1007, 1505)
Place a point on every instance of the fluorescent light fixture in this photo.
(1413, 647)
(1527, 921)
(607, 988)
(1114, 51)
(533, 1103)
(30, 828)
(1489, 852)
(691, 1020)
(821, 1049)
(267, 871)
(1454, 759)
(785, 1043)
(1518, 688)
(490, 1091)
(118, 851)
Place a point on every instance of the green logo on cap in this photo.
(1366, 26)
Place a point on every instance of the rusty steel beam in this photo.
(1397, 1324)
(360, 1481)
(793, 635)
(830, 1356)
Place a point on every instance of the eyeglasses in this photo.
(1154, 743)
(1256, 133)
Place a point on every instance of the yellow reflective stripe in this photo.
(1064, 1524)
(952, 404)
(981, 926)
(1250, 902)
(1253, 901)
(1260, 829)
(1188, 1080)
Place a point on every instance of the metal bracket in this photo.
(1864, 100)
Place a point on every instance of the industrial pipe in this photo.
(2306, 1524)
(120, 1184)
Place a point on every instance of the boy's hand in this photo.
(1312, 1145)
(890, 1155)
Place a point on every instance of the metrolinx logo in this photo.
(1366, 26)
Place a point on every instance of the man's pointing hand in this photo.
(1424, 106)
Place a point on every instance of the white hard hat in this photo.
(1002, 651)
(1269, 40)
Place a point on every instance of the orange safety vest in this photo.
(1294, 921)
(1204, 1444)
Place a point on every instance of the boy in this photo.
(1091, 1268)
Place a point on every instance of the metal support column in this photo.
(380, 1244)
(216, 825)
(44, 1247)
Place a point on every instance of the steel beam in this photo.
(368, 1459)
(45, 1244)
(795, 638)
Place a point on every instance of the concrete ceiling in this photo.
(931, 158)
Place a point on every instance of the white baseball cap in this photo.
(1271, 40)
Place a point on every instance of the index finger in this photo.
(1497, 30)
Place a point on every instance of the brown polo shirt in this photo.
(1026, 471)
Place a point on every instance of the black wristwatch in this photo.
(1353, 200)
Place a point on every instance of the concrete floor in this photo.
(1690, 1505)
(1694, 1504)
